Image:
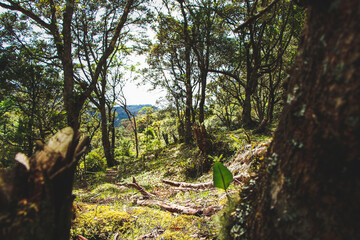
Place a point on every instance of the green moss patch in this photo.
(105, 222)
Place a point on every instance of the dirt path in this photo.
(110, 176)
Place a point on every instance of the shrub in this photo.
(124, 148)
(95, 161)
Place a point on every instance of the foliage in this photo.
(95, 161)
(222, 177)
(30, 106)
(124, 148)
(149, 133)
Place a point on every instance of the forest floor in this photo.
(114, 204)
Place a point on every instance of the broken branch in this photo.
(135, 185)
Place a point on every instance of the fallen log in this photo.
(148, 201)
(170, 207)
(183, 189)
(184, 185)
(189, 185)
(178, 208)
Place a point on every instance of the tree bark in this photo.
(311, 187)
(36, 195)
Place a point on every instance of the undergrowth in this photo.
(106, 211)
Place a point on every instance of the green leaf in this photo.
(222, 176)
(236, 139)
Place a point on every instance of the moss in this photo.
(179, 235)
(99, 222)
(225, 220)
(104, 222)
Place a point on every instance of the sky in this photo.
(136, 95)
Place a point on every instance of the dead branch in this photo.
(178, 208)
(148, 201)
(170, 207)
(184, 185)
(135, 185)
(189, 185)
(183, 189)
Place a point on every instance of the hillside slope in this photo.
(116, 209)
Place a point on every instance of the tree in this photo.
(259, 48)
(172, 56)
(185, 37)
(97, 24)
(310, 189)
(32, 100)
(188, 85)
(55, 19)
(203, 25)
(222, 105)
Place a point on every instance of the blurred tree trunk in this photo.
(311, 187)
(36, 195)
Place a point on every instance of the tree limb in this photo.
(255, 17)
(16, 7)
(135, 185)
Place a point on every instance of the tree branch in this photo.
(110, 48)
(255, 17)
(16, 7)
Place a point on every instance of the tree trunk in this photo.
(204, 70)
(113, 131)
(105, 135)
(251, 84)
(203, 80)
(311, 188)
(188, 86)
(246, 113)
(188, 107)
(36, 195)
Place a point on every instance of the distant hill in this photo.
(133, 108)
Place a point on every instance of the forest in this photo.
(256, 137)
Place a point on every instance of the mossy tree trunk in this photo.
(36, 195)
(311, 188)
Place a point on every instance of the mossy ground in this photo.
(105, 209)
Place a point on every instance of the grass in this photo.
(106, 211)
